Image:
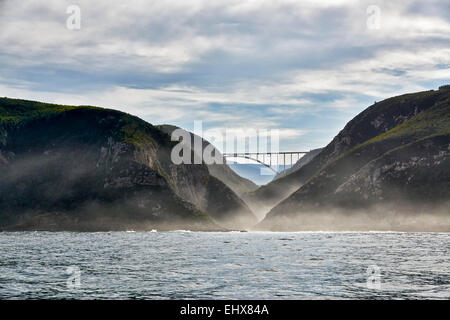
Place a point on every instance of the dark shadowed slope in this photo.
(398, 179)
(370, 123)
(225, 205)
(88, 168)
(222, 172)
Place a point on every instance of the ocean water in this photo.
(231, 265)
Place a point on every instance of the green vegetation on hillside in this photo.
(17, 113)
(435, 120)
(17, 110)
(431, 122)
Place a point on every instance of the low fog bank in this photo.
(52, 224)
(104, 219)
(376, 218)
(236, 221)
(262, 204)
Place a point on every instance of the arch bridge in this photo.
(269, 158)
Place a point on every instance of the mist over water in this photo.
(379, 218)
(219, 265)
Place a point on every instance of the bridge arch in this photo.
(250, 158)
(255, 157)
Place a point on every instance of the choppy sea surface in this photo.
(224, 265)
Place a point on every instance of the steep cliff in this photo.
(393, 180)
(88, 168)
(375, 120)
(219, 194)
(222, 172)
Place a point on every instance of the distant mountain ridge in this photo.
(257, 172)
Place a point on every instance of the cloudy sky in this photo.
(303, 67)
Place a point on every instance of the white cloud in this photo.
(227, 62)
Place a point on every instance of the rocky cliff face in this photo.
(217, 192)
(415, 175)
(86, 168)
(370, 123)
(222, 172)
(392, 159)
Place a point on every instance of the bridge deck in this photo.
(261, 153)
